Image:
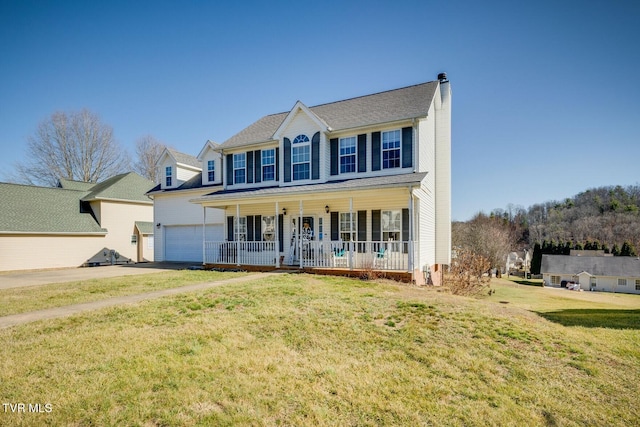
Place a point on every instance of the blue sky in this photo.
(546, 94)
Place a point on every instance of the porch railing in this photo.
(239, 253)
(391, 255)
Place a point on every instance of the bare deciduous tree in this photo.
(76, 146)
(148, 150)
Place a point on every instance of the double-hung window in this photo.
(168, 173)
(637, 284)
(347, 226)
(348, 154)
(240, 229)
(391, 225)
(211, 170)
(391, 142)
(622, 282)
(269, 165)
(301, 158)
(239, 165)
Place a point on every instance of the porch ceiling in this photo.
(310, 191)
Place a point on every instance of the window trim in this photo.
(391, 215)
(168, 176)
(398, 148)
(353, 140)
(211, 170)
(241, 158)
(353, 226)
(238, 234)
(271, 164)
(302, 143)
(622, 281)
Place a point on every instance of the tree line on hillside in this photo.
(78, 146)
(604, 218)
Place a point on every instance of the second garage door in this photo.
(184, 242)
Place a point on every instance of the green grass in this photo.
(312, 350)
(31, 298)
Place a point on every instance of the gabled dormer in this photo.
(175, 168)
(302, 136)
(211, 161)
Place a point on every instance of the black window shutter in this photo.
(376, 227)
(405, 229)
(335, 233)
(230, 228)
(362, 230)
(277, 164)
(257, 226)
(362, 153)
(249, 167)
(250, 228)
(258, 165)
(287, 160)
(407, 147)
(229, 169)
(335, 150)
(281, 232)
(315, 156)
(375, 151)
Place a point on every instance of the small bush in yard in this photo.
(467, 274)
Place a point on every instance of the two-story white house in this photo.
(358, 184)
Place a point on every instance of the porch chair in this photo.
(380, 258)
(339, 258)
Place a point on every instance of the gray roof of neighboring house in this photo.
(145, 227)
(615, 266)
(185, 159)
(349, 184)
(384, 107)
(28, 209)
(128, 186)
(69, 184)
(31, 209)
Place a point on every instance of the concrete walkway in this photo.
(57, 312)
(18, 279)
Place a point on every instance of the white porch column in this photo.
(277, 244)
(351, 243)
(204, 235)
(300, 234)
(411, 239)
(235, 237)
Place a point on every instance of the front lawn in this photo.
(313, 350)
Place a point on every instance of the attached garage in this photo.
(184, 242)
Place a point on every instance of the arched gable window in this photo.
(301, 157)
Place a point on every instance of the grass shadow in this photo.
(537, 283)
(595, 318)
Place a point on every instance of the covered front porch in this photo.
(323, 229)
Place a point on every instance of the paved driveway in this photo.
(33, 278)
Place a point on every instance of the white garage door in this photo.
(184, 242)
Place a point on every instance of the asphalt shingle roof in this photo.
(28, 209)
(185, 159)
(31, 209)
(342, 185)
(384, 107)
(619, 266)
(128, 186)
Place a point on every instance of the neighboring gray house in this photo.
(598, 273)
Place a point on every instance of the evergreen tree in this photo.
(615, 250)
(628, 249)
(536, 259)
